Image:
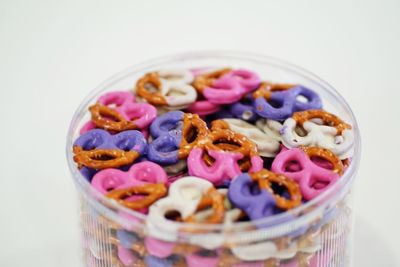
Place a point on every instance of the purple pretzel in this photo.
(254, 202)
(101, 139)
(166, 131)
(285, 103)
(244, 109)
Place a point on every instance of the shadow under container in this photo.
(318, 233)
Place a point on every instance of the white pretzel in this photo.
(177, 75)
(184, 196)
(266, 145)
(263, 251)
(318, 135)
(309, 243)
(175, 168)
(176, 88)
(271, 128)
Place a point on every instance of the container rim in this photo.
(97, 199)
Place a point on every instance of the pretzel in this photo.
(265, 178)
(155, 98)
(221, 131)
(193, 130)
(326, 117)
(101, 118)
(204, 80)
(327, 155)
(153, 192)
(265, 89)
(103, 158)
(214, 199)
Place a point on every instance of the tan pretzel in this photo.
(265, 89)
(266, 178)
(327, 155)
(103, 158)
(193, 130)
(109, 119)
(142, 85)
(222, 138)
(214, 199)
(207, 79)
(153, 192)
(327, 118)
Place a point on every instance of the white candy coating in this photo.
(318, 135)
(271, 128)
(184, 196)
(267, 146)
(176, 88)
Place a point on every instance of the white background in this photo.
(52, 53)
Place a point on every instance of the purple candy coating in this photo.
(127, 238)
(284, 103)
(167, 122)
(256, 204)
(101, 139)
(153, 261)
(244, 109)
(166, 131)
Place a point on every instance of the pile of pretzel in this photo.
(211, 147)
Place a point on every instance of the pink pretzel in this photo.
(231, 87)
(224, 167)
(196, 260)
(203, 107)
(126, 256)
(139, 174)
(159, 248)
(312, 178)
(247, 79)
(125, 104)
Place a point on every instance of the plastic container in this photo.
(317, 233)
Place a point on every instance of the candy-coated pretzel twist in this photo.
(326, 117)
(301, 165)
(151, 79)
(337, 164)
(266, 179)
(98, 149)
(110, 119)
(212, 199)
(266, 88)
(224, 139)
(204, 80)
(153, 192)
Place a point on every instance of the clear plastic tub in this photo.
(320, 234)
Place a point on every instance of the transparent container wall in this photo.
(316, 234)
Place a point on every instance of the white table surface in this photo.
(52, 53)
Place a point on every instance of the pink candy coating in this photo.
(138, 174)
(124, 103)
(224, 167)
(312, 178)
